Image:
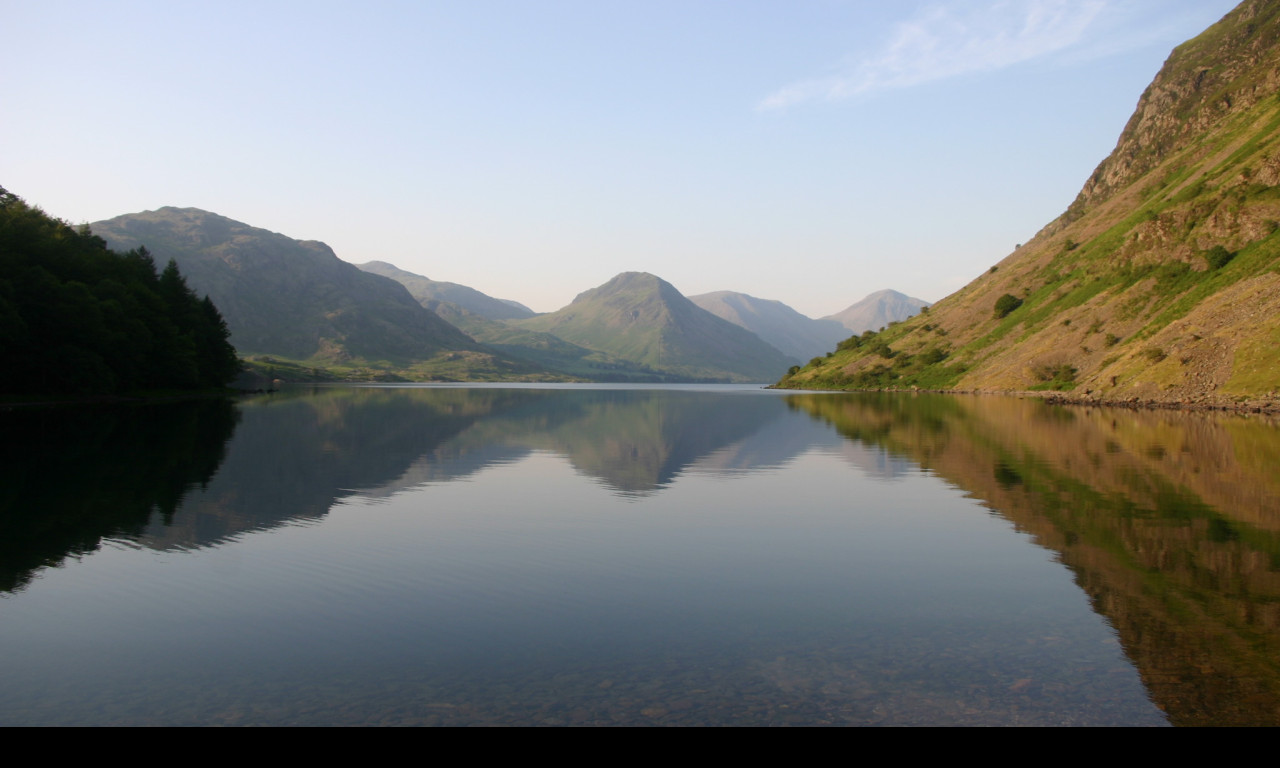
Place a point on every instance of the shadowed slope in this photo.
(288, 297)
(778, 324)
(426, 290)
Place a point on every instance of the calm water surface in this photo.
(613, 555)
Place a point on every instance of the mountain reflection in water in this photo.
(614, 555)
(1170, 522)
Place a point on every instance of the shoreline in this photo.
(1198, 403)
(135, 399)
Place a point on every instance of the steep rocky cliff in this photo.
(1161, 282)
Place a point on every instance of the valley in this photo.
(297, 312)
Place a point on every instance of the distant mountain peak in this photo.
(878, 310)
(640, 317)
(429, 292)
(798, 336)
(381, 265)
(626, 281)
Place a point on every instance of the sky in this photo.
(810, 152)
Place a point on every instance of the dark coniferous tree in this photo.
(76, 317)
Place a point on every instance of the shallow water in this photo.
(613, 555)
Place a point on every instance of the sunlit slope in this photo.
(1161, 281)
(643, 319)
(544, 349)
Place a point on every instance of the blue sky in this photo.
(810, 152)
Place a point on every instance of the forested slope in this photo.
(76, 317)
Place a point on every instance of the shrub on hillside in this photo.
(1006, 304)
(1217, 257)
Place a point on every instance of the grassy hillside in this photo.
(483, 317)
(1161, 281)
(545, 350)
(643, 319)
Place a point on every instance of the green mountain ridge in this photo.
(1160, 282)
(483, 318)
(642, 318)
(545, 349)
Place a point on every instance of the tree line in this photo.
(76, 317)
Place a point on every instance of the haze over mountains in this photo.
(287, 297)
(798, 336)
(802, 337)
(1160, 282)
(877, 311)
(297, 301)
(426, 290)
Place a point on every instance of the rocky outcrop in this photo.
(1225, 71)
(1161, 283)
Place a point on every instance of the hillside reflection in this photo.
(173, 476)
(70, 477)
(1170, 522)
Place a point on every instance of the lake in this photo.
(618, 555)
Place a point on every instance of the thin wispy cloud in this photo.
(947, 40)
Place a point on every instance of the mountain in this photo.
(877, 311)
(1161, 282)
(288, 297)
(544, 349)
(483, 317)
(644, 319)
(426, 290)
(797, 336)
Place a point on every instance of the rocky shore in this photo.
(1200, 402)
(1269, 405)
